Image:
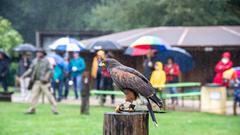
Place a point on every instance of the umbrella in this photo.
(67, 44)
(150, 42)
(136, 51)
(25, 48)
(104, 45)
(4, 54)
(142, 46)
(237, 70)
(180, 56)
(230, 74)
(58, 59)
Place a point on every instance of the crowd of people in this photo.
(46, 74)
(101, 76)
(159, 74)
(170, 73)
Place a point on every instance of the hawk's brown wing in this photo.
(133, 71)
(125, 79)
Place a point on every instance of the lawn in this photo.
(69, 122)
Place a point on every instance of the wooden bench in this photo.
(106, 92)
(188, 89)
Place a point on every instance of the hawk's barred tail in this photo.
(157, 101)
(151, 113)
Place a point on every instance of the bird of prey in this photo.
(132, 83)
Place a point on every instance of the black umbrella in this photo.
(6, 56)
(25, 48)
(104, 45)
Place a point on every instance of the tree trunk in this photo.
(133, 123)
(85, 94)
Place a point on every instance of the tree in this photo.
(121, 15)
(29, 16)
(9, 37)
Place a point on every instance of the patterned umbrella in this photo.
(136, 51)
(145, 43)
(150, 42)
(67, 44)
(233, 72)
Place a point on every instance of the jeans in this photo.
(66, 81)
(77, 85)
(173, 90)
(107, 84)
(98, 81)
(57, 88)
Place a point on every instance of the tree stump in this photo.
(85, 94)
(133, 123)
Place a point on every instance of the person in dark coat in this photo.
(148, 65)
(4, 69)
(106, 81)
(23, 66)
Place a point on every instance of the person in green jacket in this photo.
(76, 67)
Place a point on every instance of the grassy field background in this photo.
(13, 121)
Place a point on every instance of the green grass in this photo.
(70, 122)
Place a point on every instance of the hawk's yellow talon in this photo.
(119, 108)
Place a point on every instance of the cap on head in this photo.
(41, 50)
(226, 55)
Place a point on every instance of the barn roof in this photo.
(179, 36)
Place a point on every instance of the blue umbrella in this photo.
(67, 44)
(58, 59)
(180, 56)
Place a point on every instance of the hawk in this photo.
(132, 83)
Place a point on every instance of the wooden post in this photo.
(85, 93)
(133, 123)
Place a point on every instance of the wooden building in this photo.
(204, 43)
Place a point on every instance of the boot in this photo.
(31, 111)
(54, 110)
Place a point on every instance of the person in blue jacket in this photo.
(57, 82)
(76, 67)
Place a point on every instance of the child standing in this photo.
(158, 77)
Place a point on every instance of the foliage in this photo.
(29, 16)
(127, 14)
(70, 122)
(9, 37)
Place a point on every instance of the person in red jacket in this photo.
(172, 71)
(224, 64)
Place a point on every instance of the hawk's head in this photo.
(110, 63)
